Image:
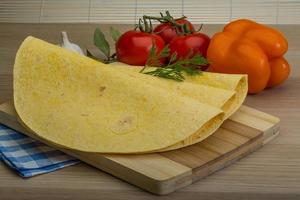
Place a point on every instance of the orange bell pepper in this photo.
(246, 47)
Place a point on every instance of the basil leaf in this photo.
(101, 42)
(114, 33)
(89, 54)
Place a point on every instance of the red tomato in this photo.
(192, 44)
(133, 47)
(168, 32)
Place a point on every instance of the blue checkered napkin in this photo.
(29, 157)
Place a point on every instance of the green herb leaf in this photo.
(152, 51)
(165, 52)
(191, 70)
(115, 34)
(173, 57)
(167, 73)
(199, 60)
(174, 70)
(89, 54)
(153, 58)
(101, 42)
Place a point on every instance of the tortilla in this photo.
(224, 91)
(78, 103)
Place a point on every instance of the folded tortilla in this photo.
(78, 103)
(224, 91)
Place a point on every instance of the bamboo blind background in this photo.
(128, 11)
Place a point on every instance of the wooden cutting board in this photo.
(162, 173)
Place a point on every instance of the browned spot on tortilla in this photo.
(124, 124)
(101, 89)
(125, 120)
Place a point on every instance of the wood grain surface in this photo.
(162, 173)
(272, 172)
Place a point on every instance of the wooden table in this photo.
(272, 172)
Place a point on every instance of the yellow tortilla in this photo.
(81, 104)
(224, 91)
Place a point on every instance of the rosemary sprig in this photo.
(174, 69)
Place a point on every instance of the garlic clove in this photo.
(68, 45)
